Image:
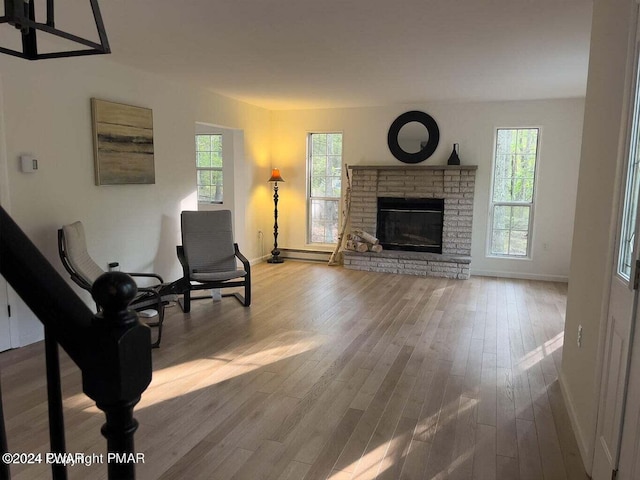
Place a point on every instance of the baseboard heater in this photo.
(305, 255)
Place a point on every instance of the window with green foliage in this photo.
(209, 167)
(512, 196)
(325, 186)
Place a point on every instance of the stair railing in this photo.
(111, 348)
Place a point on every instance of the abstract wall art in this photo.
(123, 143)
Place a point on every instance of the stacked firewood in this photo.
(360, 241)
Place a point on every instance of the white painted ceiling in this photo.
(290, 54)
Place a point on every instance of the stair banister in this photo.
(112, 348)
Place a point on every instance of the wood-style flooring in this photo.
(334, 374)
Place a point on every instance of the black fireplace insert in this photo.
(413, 224)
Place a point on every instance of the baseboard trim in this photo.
(318, 256)
(321, 256)
(255, 261)
(521, 276)
(586, 451)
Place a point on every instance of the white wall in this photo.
(472, 125)
(595, 216)
(47, 113)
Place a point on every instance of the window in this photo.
(209, 167)
(325, 177)
(632, 192)
(512, 196)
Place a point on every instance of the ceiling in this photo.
(293, 54)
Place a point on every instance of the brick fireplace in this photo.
(453, 184)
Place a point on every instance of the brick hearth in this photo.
(454, 184)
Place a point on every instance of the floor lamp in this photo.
(275, 253)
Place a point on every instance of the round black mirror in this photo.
(413, 137)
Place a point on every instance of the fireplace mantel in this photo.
(453, 183)
(414, 167)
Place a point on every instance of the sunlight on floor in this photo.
(194, 375)
(544, 350)
(449, 413)
(369, 465)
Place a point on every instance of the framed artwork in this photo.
(122, 143)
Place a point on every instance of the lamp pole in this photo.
(275, 253)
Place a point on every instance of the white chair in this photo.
(72, 247)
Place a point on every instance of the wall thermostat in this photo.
(28, 164)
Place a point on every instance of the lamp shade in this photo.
(275, 176)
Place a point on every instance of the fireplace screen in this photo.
(413, 224)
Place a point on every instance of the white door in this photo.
(629, 465)
(623, 303)
(613, 380)
(5, 327)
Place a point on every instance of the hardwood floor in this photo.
(336, 374)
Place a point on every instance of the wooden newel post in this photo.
(122, 368)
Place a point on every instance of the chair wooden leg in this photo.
(238, 297)
(247, 291)
(185, 304)
(245, 299)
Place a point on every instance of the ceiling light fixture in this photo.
(21, 14)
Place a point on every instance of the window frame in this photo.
(629, 212)
(532, 205)
(310, 198)
(209, 169)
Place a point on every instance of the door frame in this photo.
(14, 328)
(632, 86)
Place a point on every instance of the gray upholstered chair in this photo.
(208, 256)
(72, 247)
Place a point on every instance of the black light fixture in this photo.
(275, 253)
(21, 14)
